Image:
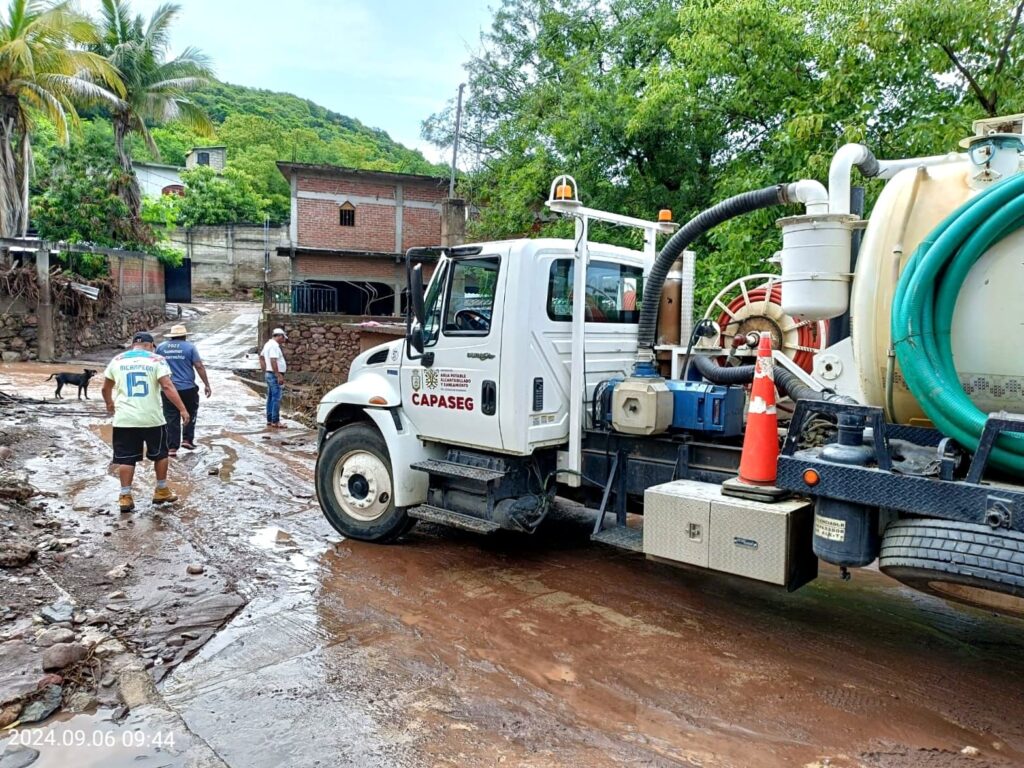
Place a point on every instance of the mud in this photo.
(449, 649)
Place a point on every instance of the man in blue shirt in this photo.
(183, 358)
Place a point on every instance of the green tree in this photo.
(42, 71)
(78, 200)
(680, 104)
(156, 89)
(220, 198)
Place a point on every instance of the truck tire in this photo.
(355, 488)
(964, 562)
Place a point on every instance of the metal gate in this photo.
(178, 282)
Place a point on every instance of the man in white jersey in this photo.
(138, 376)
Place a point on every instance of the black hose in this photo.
(788, 383)
(694, 228)
(706, 328)
(717, 374)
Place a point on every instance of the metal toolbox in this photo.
(690, 522)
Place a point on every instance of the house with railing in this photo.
(349, 231)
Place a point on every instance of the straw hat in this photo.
(176, 332)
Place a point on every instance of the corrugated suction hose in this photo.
(922, 314)
(690, 231)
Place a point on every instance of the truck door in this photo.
(455, 398)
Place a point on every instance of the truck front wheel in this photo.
(355, 487)
(963, 562)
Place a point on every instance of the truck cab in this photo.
(489, 371)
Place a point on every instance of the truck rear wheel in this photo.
(355, 486)
(964, 562)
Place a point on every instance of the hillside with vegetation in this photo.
(86, 97)
(258, 127)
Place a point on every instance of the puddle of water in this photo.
(269, 537)
(96, 741)
(272, 538)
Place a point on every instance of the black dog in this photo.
(81, 379)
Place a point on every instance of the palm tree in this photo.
(43, 70)
(155, 89)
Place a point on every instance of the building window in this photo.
(347, 215)
(202, 158)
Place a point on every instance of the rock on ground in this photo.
(54, 635)
(58, 612)
(44, 707)
(119, 572)
(19, 671)
(16, 756)
(80, 701)
(15, 552)
(61, 655)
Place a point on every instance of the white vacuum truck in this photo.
(532, 368)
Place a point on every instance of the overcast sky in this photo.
(387, 63)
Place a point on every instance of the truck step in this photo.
(433, 514)
(443, 468)
(622, 537)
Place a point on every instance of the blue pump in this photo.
(701, 407)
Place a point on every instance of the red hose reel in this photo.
(756, 306)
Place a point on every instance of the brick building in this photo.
(350, 229)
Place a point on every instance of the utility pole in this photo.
(455, 145)
(266, 261)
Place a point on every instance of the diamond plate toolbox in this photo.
(694, 523)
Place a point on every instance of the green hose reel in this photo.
(922, 314)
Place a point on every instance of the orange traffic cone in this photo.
(761, 440)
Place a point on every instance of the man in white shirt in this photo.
(273, 365)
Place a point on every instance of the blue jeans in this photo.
(273, 398)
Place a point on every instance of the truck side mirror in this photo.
(416, 306)
(419, 311)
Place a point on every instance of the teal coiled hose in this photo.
(922, 314)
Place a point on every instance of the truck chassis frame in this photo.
(940, 495)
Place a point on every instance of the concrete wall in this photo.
(218, 157)
(153, 177)
(229, 257)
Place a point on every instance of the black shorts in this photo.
(129, 442)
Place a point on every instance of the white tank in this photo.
(988, 324)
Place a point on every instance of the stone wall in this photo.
(73, 335)
(129, 300)
(324, 344)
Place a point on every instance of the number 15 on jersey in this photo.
(138, 384)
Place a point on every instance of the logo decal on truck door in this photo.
(415, 381)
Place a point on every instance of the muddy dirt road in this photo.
(542, 651)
